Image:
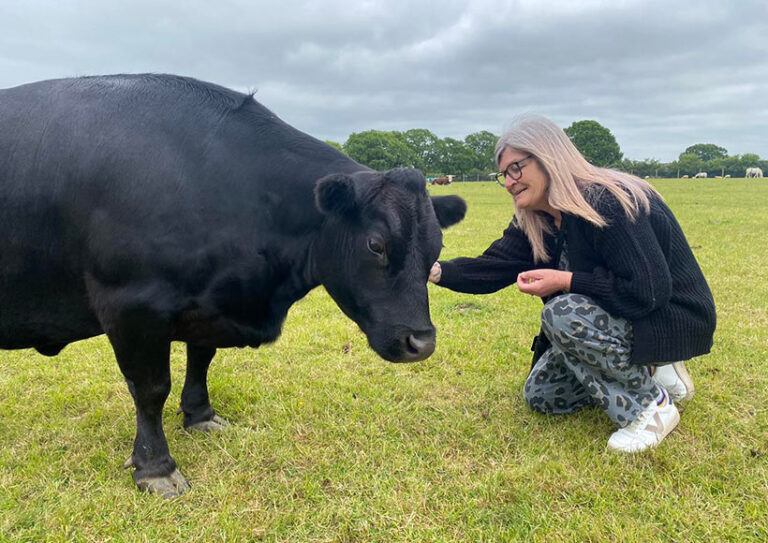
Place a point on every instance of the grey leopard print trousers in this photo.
(588, 364)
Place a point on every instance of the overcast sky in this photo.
(660, 74)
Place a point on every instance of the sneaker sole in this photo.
(682, 373)
(672, 426)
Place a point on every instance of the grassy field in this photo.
(329, 443)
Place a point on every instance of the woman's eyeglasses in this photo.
(514, 171)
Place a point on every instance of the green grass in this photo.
(329, 443)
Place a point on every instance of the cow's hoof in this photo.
(170, 486)
(216, 424)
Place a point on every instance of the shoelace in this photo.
(640, 420)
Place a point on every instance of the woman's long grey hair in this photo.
(569, 176)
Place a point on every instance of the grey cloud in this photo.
(661, 75)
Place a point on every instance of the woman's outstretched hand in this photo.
(544, 282)
(435, 273)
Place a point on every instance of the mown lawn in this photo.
(329, 443)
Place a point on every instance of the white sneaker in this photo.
(675, 379)
(648, 429)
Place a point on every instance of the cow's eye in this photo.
(376, 246)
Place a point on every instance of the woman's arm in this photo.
(493, 270)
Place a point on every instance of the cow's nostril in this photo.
(422, 348)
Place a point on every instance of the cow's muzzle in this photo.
(400, 343)
(418, 346)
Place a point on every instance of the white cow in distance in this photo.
(754, 172)
(700, 175)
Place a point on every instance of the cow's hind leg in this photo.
(195, 404)
(143, 354)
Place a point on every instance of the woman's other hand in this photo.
(544, 282)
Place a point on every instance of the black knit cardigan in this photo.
(643, 271)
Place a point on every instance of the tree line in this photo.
(702, 157)
(420, 148)
(474, 156)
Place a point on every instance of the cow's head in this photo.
(379, 239)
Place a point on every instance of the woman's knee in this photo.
(548, 402)
(533, 391)
(536, 402)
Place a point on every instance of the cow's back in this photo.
(158, 185)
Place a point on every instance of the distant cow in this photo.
(727, 176)
(440, 181)
(754, 172)
(700, 175)
(158, 208)
(685, 177)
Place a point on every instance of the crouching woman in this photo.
(625, 300)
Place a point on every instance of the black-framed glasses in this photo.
(514, 171)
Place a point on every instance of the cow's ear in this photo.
(335, 195)
(449, 209)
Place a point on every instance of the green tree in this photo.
(483, 146)
(378, 150)
(425, 149)
(641, 168)
(707, 151)
(626, 165)
(650, 167)
(690, 164)
(716, 166)
(335, 144)
(456, 157)
(595, 142)
(750, 160)
(732, 166)
(668, 169)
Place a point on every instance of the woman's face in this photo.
(531, 189)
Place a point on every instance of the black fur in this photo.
(158, 208)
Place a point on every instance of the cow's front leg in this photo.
(144, 359)
(195, 403)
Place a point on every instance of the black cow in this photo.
(157, 208)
